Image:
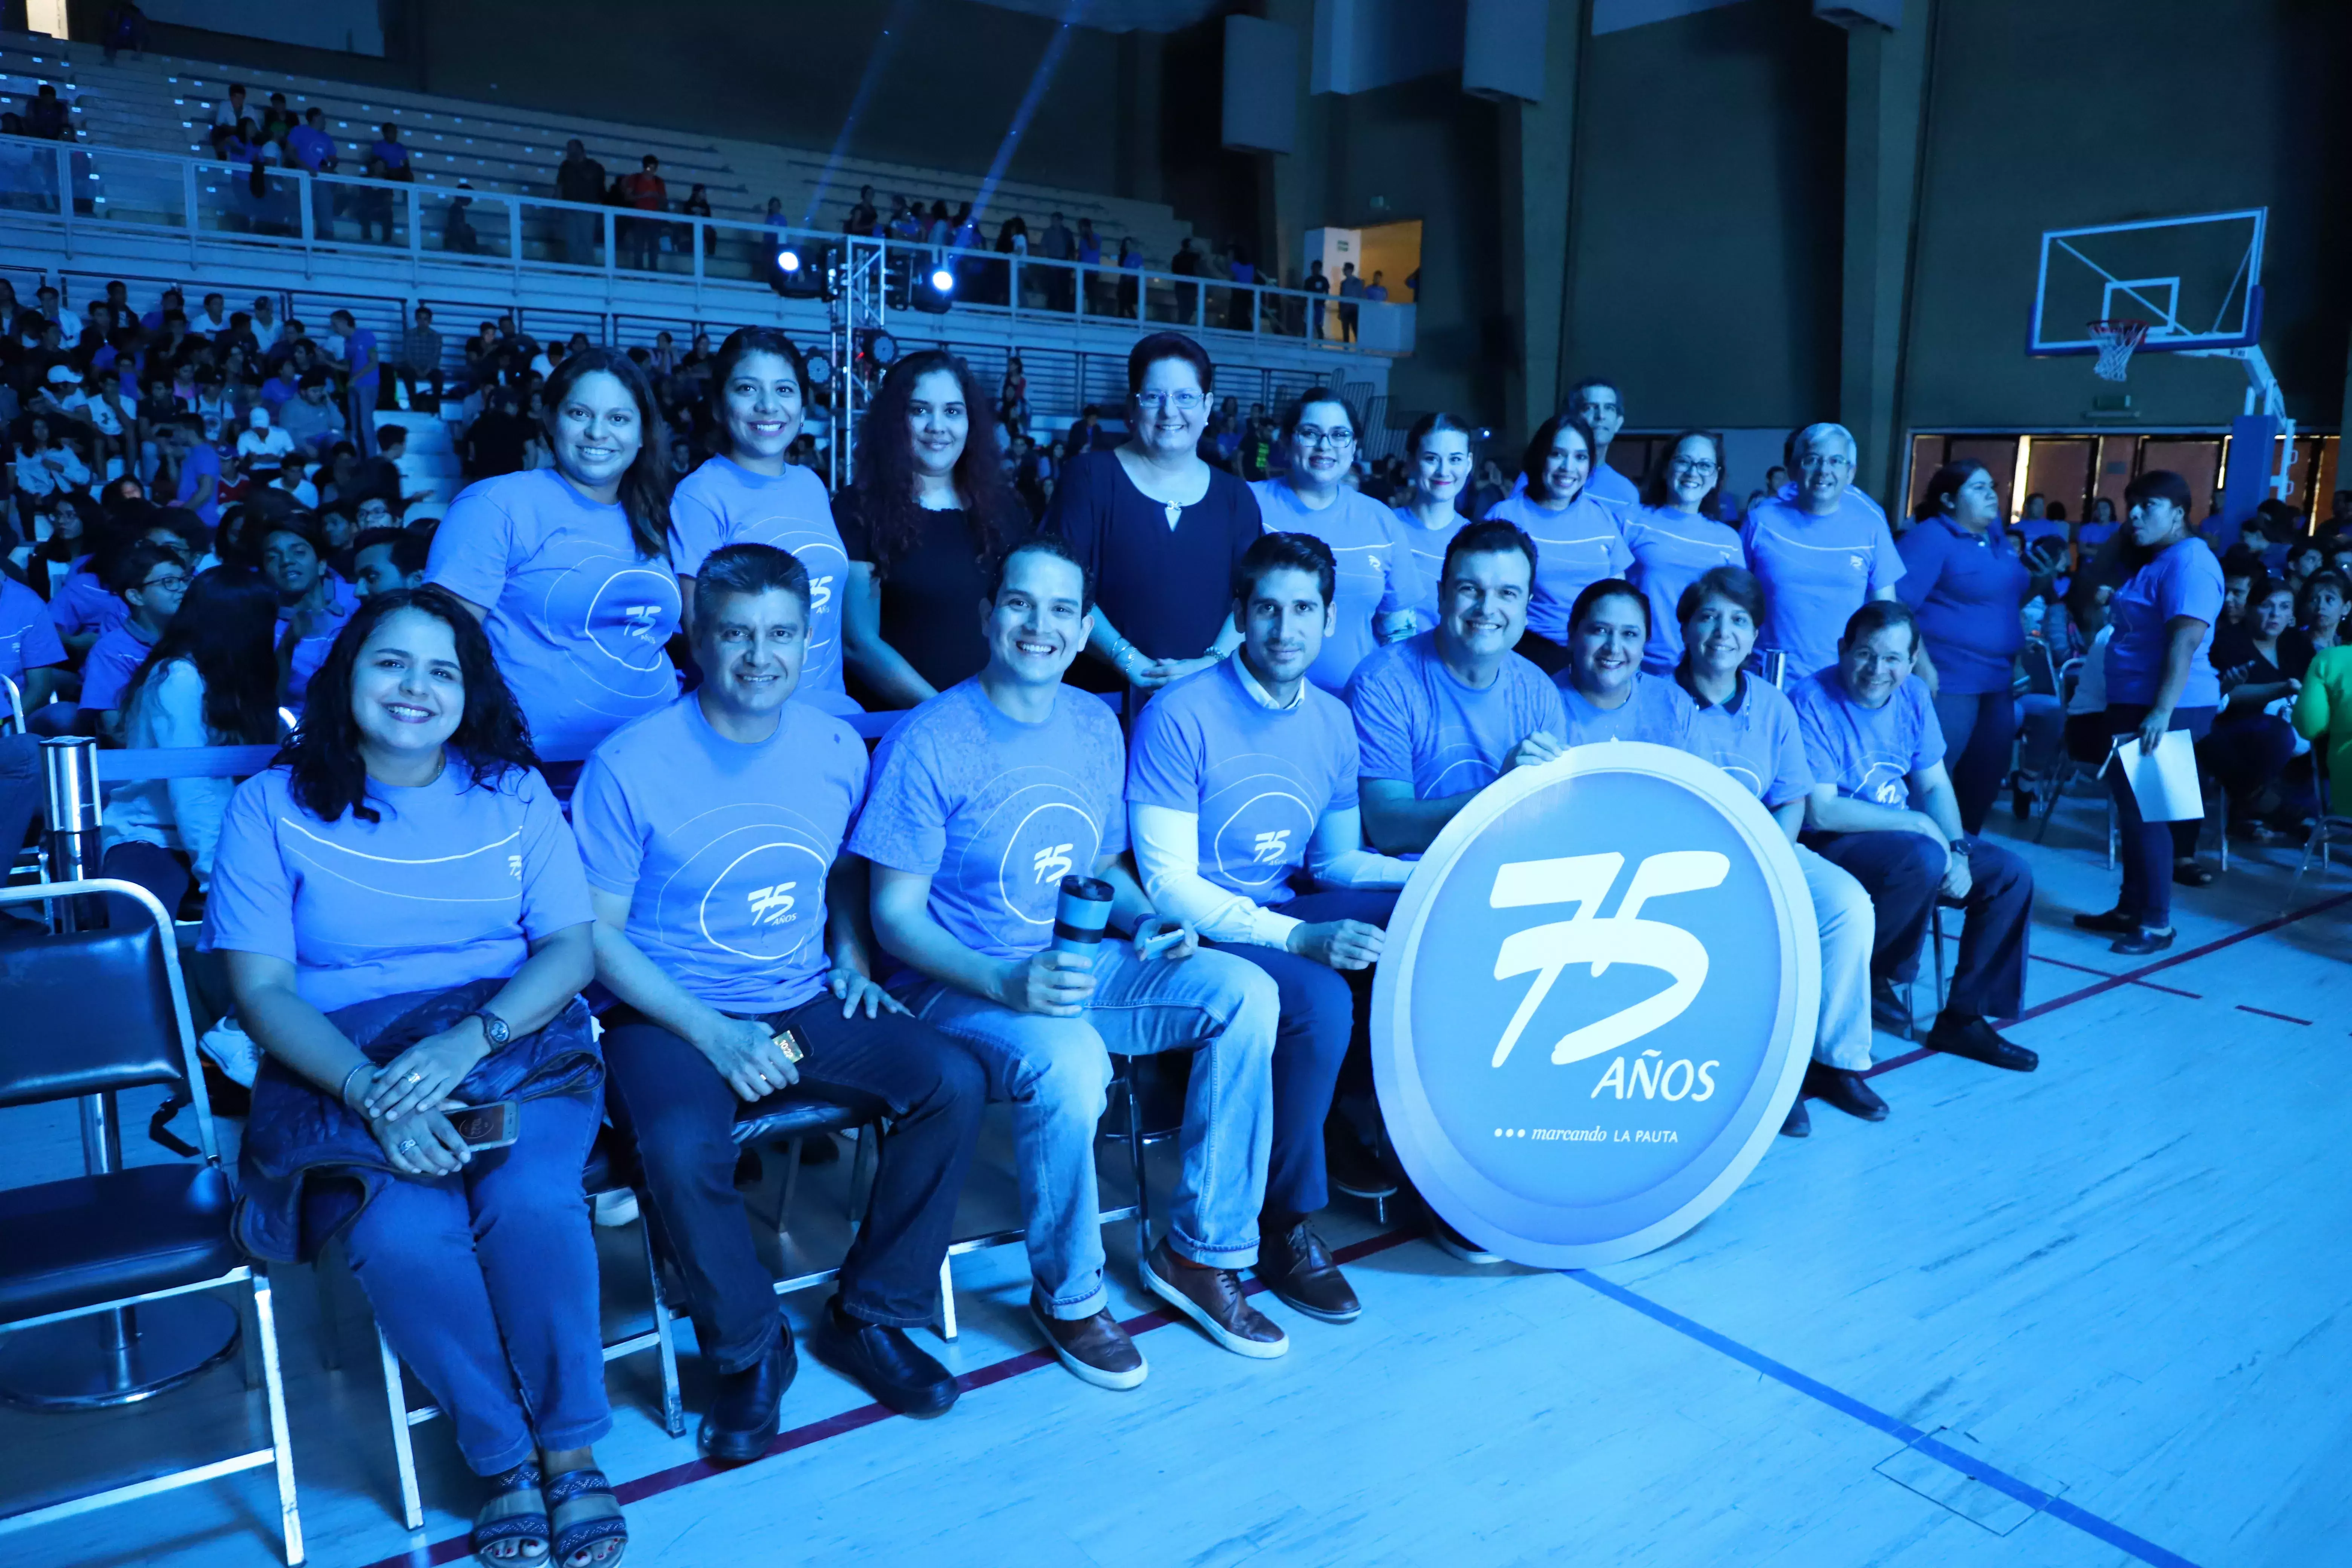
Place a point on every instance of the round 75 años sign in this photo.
(1596, 1005)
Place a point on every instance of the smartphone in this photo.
(789, 1042)
(489, 1126)
(1153, 946)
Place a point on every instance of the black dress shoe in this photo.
(2143, 939)
(1297, 1268)
(2113, 922)
(1844, 1089)
(1977, 1040)
(741, 1420)
(1355, 1167)
(893, 1369)
(1889, 1009)
(1800, 1122)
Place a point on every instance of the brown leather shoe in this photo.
(1213, 1298)
(1094, 1348)
(1297, 1268)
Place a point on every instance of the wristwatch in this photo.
(493, 1028)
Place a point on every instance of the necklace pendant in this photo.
(1175, 512)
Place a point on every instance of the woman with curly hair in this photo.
(929, 507)
(406, 930)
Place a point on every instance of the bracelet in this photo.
(344, 1093)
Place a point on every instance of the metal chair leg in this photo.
(1135, 1158)
(1936, 939)
(664, 1341)
(791, 1183)
(863, 1167)
(947, 1299)
(396, 1395)
(281, 1441)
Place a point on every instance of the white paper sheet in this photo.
(2165, 784)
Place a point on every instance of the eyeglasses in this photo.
(169, 581)
(1692, 465)
(1338, 440)
(1186, 401)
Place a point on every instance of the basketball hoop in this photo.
(2116, 339)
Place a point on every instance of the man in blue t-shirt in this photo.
(1242, 776)
(987, 802)
(1874, 747)
(1821, 547)
(733, 932)
(1440, 716)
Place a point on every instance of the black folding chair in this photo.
(92, 1014)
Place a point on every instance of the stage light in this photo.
(943, 280)
(820, 369)
(876, 347)
(934, 294)
(800, 271)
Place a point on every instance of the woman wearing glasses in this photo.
(1675, 539)
(1160, 528)
(1379, 581)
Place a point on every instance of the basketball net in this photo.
(2116, 339)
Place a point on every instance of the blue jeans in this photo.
(1056, 1073)
(2148, 848)
(1310, 1042)
(485, 1282)
(1903, 873)
(1980, 729)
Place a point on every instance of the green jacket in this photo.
(2323, 714)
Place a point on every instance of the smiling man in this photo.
(984, 799)
(732, 930)
(1440, 716)
(1882, 807)
(1242, 776)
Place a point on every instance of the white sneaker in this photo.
(1460, 1245)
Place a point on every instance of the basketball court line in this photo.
(452, 1548)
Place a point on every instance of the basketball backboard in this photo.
(2196, 281)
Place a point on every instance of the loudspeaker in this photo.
(1260, 109)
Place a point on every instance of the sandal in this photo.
(586, 1514)
(516, 1512)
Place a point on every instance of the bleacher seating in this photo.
(164, 104)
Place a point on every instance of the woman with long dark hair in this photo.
(929, 507)
(1578, 540)
(406, 931)
(1379, 580)
(751, 494)
(1437, 457)
(1968, 594)
(569, 568)
(2161, 679)
(211, 679)
(1675, 539)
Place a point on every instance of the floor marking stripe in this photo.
(453, 1547)
(1944, 1454)
(2266, 1013)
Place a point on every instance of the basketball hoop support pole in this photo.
(2264, 396)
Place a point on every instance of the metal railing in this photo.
(76, 187)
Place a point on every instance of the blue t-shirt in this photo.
(83, 604)
(1414, 719)
(1671, 551)
(29, 636)
(722, 502)
(1616, 492)
(311, 652)
(451, 886)
(577, 618)
(1377, 576)
(1259, 780)
(1648, 714)
(312, 148)
(1428, 546)
(2185, 579)
(202, 460)
(1869, 753)
(112, 660)
(1754, 738)
(1967, 592)
(360, 352)
(723, 848)
(1575, 548)
(1817, 571)
(996, 812)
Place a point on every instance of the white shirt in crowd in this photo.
(273, 443)
(178, 813)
